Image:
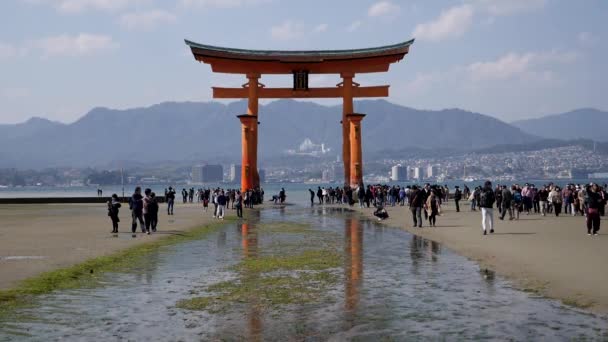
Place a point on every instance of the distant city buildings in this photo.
(398, 173)
(235, 174)
(432, 171)
(207, 173)
(415, 173)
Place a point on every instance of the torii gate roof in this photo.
(241, 61)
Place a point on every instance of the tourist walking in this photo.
(543, 196)
(239, 204)
(170, 198)
(593, 200)
(146, 210)
(505, 205)
(416, 202)
(113, 210)
(136, 204)
(153, 212)
(432, 206)
(312, 197)
(555, 198)
(486, 203)
(221, 205)
(457, 198)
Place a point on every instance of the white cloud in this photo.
(507, 7)
(320, 28)
(530, 64)
(288, 30)
(354, 26)
(586, 38)
(78, 6)
(7, 51)
(147, 20)
(383, 8)
(77, 45)
(221, 3)
(455, 21)
(14, 93)
(451, 23)
(517, 71)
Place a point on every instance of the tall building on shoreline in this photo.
(398, 173)
(235, 174)
(207, 173)
(415, 173)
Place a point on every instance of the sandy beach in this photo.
(552, 256)
(43, 237)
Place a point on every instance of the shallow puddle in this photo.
(301, 274)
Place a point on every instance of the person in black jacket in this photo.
(505, 205)
(593, 200)
(416, 202)
(457, 198)
(136, 204)
(170, 198)
(153, 211)
(486, 203)
(113, 209)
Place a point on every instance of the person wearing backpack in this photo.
(517, 202)
(486, 203)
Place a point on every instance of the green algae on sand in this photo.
(88, 273)
(284, 277)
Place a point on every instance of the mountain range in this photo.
(586, 123)
(210, 131)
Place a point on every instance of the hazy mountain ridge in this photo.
(208, 131)
(585, 123)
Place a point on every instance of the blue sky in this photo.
(511, 59)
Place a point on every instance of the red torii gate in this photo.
(254, 63)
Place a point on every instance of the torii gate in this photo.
(254, 63)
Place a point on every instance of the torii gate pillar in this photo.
(249, 150)
(356, 152)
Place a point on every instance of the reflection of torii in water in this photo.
(249, 236)
(353, 267)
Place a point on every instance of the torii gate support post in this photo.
(356, 152)
(252, 109)
(248, 127)
(347, 108)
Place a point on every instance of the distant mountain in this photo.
(585, 123)
(210, 131)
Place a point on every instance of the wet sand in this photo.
(44, 237)
(551, 256)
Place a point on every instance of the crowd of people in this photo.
(588, 201)
(144, 208)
